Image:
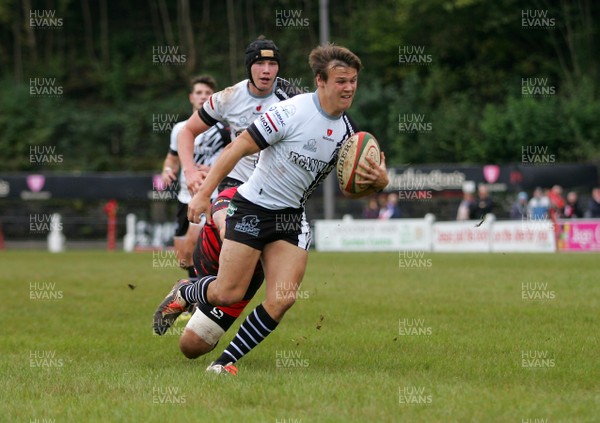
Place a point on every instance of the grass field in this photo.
(372, 338)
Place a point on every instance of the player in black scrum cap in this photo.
(237, 106)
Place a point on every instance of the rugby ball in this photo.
(354, 151)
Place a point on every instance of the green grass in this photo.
(106, 365)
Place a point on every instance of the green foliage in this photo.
(88, 136)
(469, 92)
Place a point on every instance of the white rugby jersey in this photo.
(207, 147)
(238, 107)
(303, 145)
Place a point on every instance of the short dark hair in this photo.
(321, 58)
(203, 79)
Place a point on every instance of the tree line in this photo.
(467, 81)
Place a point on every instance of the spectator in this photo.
(572, 209)
(391, 209)
(382, 200)
(371, 210)
(466, 206)
(593, 210)
(557, 202)
(484, 203)
(538, 205)
(519, 208)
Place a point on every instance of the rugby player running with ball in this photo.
(290, 167)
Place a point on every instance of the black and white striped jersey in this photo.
(207, 147)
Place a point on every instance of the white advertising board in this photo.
(523, 236)
(373, 235)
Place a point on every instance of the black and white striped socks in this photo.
(197, 291)
(257, 326)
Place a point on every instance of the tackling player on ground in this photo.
(207, 324)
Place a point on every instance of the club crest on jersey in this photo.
(311, 145)
(231, 209)
(258, 108)
(328, 136)
(289, 110)
(248, 225)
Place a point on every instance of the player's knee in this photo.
(284, 302)
(227, 298)
(200, 336)
(193, 346)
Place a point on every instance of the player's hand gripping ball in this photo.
(354, 151)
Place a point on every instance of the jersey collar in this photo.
(315, 97)
(262, 96)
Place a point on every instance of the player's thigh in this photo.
(237, 262)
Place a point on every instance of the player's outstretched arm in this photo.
(241, 146)
(375, 176)
(185, 148)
